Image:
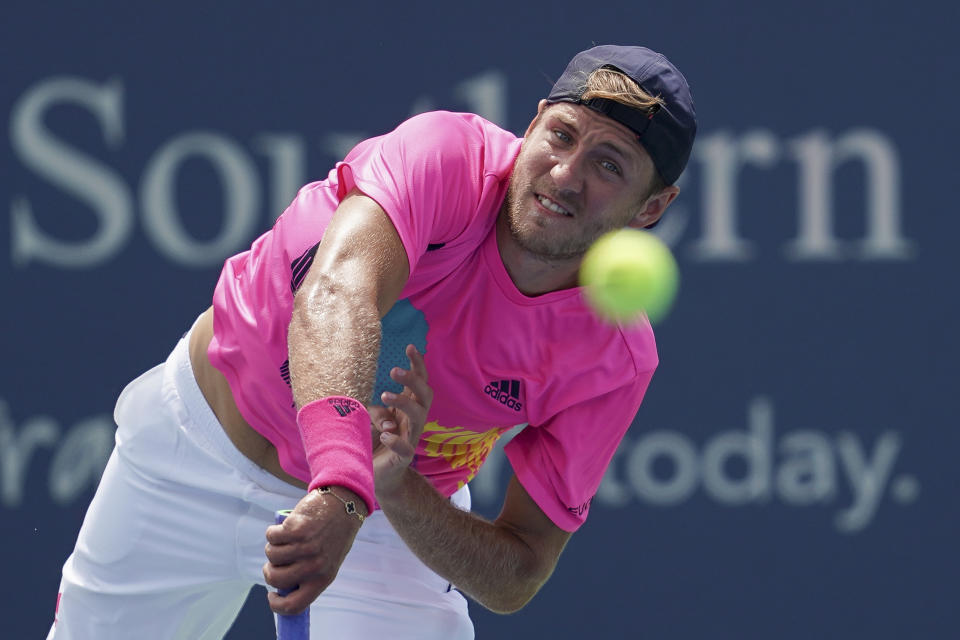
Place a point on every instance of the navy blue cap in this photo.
(668, 133)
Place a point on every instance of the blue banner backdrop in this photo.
(792, 472)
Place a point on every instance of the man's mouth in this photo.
(553, 206)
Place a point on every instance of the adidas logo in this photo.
(505, 392)
(344, 406)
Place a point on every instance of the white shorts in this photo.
(174, 538)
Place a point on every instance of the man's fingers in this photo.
(407, 404)
(379, 415)
(291, 531)
(383, 421)
(306, 551)
(413, 384)
(296, 601)
(283, 577)
(399, 400)
(281, 555)
(398, 445)
(277, 534)
(303, 571)
(415, 378)
(287, 605)
(417, 363)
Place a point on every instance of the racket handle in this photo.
(295, 627)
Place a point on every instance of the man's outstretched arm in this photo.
(357, 274)
(500, 564)
(359, 270)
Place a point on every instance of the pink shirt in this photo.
(496, 358)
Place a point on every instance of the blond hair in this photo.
(611, 84)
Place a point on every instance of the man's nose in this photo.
(567, 172)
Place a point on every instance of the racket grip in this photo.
(295, 627)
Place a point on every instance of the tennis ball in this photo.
(628, 272)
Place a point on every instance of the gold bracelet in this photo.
(349, 505)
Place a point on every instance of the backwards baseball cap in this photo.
(667, 133)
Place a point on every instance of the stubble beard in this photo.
(535, 235)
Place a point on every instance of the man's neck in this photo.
(532, 274)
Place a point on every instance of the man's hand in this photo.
(308, 548)
(398, 426)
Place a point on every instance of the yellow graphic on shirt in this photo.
(459, 446)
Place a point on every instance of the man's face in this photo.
(579, 174)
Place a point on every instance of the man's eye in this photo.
(561, 135)
(610, 166)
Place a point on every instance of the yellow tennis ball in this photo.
(628, 272)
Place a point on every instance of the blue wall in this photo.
(792, 473)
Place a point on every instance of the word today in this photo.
(750, 466)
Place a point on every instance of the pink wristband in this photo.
(336, 437)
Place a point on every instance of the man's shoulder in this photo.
(458, 131)
(459, 120)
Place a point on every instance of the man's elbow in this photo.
(507, 604)
(517, 594)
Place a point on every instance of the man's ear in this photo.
(653, 207)
(540, 108)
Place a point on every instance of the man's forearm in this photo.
(486, 560)
(334, 339)
(357, 273)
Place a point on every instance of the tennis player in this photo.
(358, 364)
